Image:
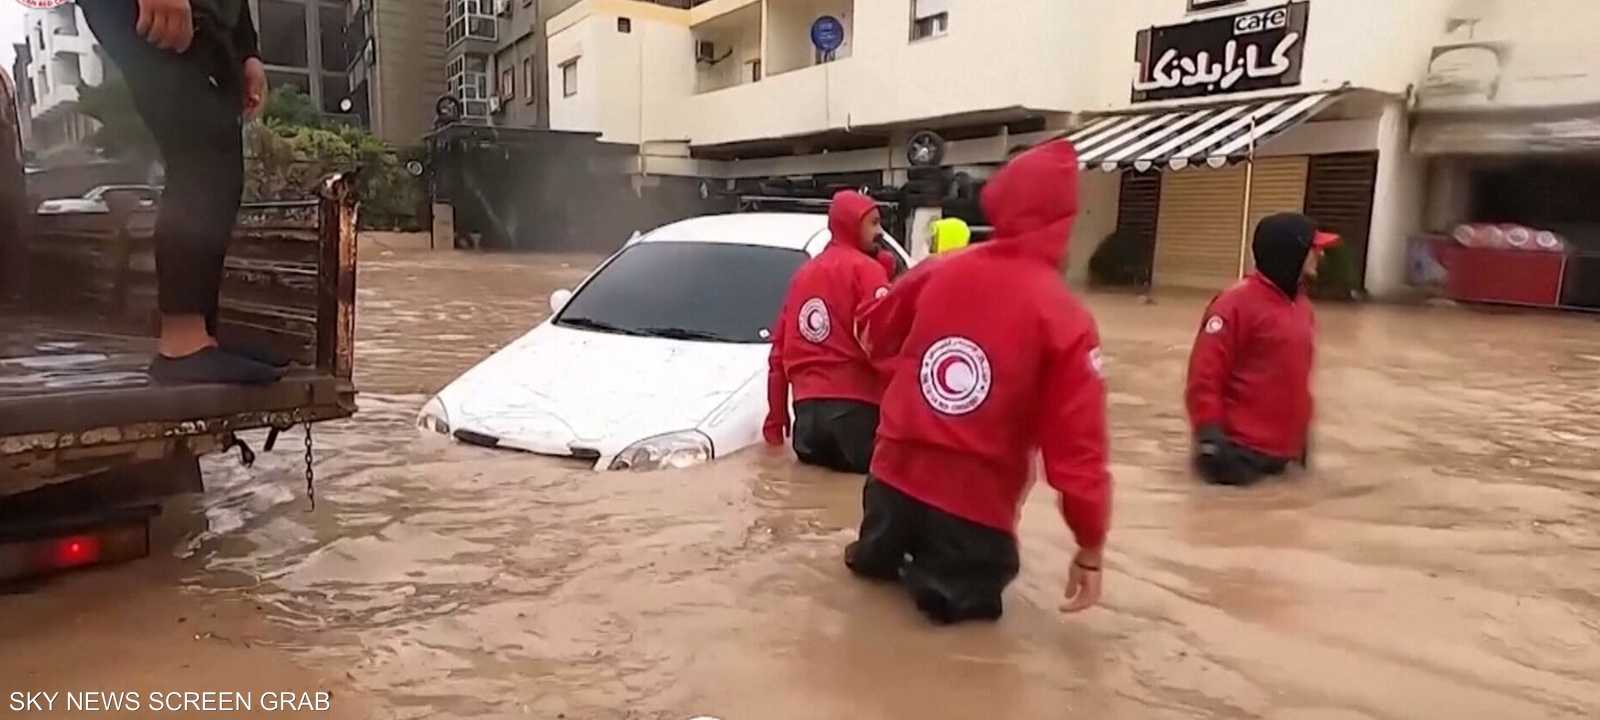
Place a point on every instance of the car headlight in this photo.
(434, 417)
(674, 450)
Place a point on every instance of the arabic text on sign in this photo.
(1171, 71)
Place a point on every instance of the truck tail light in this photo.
(111, 542)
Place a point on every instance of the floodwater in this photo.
(1442, 559)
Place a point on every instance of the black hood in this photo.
(1281, 245)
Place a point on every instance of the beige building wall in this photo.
(410, 68)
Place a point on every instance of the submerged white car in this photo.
(658, 360)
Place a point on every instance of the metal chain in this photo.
(311, 477)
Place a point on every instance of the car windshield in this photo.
(687, 291)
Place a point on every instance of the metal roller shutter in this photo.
(1277, 186)
(1197, 231)
(1339, 198)
(1138, 205)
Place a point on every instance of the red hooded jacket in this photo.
(814, 346)
(1250, 371)
(991, 357)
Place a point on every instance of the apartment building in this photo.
(396, 53)
(62, 54)
(22, 57)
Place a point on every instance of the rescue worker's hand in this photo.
(775, 430)
(166, 24)
(1209, 440)
(1083, 581)
(255, 86)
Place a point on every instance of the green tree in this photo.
(122, 132)
(286, 105)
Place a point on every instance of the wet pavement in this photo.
(1442, 559)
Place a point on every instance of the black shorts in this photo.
(835, 434)
(956, 569)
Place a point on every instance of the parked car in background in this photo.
(95, 201)
(657, 360)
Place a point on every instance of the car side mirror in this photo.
(559, 299)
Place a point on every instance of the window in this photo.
(508, 83)
(569, 78)
(1199, 5)
(624, 25)
(277, 79)
(470, 19)
(929, 18)
(527, 79)
(468, 79)
(283, 33)
(335, 58)
(753, 70)
(701, 291)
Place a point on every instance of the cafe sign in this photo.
(1256, 50)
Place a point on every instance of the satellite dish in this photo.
(346, 106)
(447, 109)
(925, 149)
(415, 168)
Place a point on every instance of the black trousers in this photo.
(955, 569)
(191, 103)
(1226, 462)
(835, 434)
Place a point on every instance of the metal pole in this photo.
(1249, 187)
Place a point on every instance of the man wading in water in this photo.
(194, 70)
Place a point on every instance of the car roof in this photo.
(789, 231)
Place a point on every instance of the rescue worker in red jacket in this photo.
(814, 348)
(1249, 387)
(990, 358)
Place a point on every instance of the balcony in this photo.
(728, 50)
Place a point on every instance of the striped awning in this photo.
(1180, 138)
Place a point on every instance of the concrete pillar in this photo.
(444, 226)
(1397, 203)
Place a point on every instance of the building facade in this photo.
(1196, 117)
(62, 54)
(396, 51)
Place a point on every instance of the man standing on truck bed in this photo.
(814, 345)
(193, 69)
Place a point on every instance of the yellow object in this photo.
(950, 234)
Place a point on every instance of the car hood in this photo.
(561, 391)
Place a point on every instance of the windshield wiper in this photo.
(600, 325)
(678, 333)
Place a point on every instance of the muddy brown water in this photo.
(1441, 560)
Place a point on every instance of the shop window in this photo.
(929, 18)
(569, 78)
(283, 33)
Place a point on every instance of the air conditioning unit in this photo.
(705, 52)
(495, 106)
